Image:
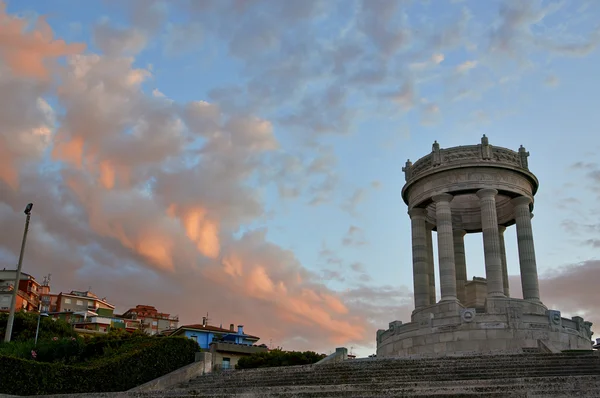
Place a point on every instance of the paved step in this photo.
(531, 375)
(314, 376)
(588, 386)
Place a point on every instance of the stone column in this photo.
(501, 229)
(491, 242)
(419, 254)
(460, 263)
(445, 246)
(529, 275)
(430, 267)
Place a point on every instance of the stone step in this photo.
(422, 364)
(541, 387)
(416, 368)
(389, 383)
(447, 374)
(532, 375)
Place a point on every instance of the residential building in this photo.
(226, 345)
(205, 334)
(83, 309)
(27, 291)
(225, 355)
(152, 321)
(82, 301)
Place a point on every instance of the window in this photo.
(79, 302)
(226, 363)
(154, 323)
(67, 301)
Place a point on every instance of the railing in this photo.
(32, 300)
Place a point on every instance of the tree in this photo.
(25, 324)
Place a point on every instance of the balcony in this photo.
(94, 319)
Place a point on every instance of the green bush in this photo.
(64, 350)
(72, 350)
(278, 358)
(139, 360)
(25, 324)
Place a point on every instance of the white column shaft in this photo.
(527, 262)
(491, 242)
(501, 230)
(430, 265)
(460, 262)
(419, 254)
(445, 247)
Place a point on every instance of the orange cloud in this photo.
(70, 151)
(295, 303)
(202, 231)
(8, 173)
(107, 174)
(157, 249)
(26, 53)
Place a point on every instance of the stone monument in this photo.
(463, 190)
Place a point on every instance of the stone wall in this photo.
(450, 329)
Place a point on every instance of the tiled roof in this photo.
(214, 329)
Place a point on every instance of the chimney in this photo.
(240, 329)
(231, 327)
(203, 321)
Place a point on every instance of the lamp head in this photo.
(28, 209)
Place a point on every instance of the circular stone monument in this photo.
(475, 189)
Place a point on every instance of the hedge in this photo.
(151, 358)
(278, 358)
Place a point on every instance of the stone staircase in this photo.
(526, 375)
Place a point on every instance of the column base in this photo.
(534, 300)
(448, 300)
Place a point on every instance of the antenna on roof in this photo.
(205, 320)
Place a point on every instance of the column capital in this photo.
(501, 228)
(459, 232)
(487, 192)
(521, 201)
(417, 212)
(443, 197)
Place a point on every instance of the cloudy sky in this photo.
(243, 157)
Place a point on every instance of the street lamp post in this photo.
(13, 303)
(37, 330)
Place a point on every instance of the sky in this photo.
(243, 158)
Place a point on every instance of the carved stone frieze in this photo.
(483, 153)
(468, 179)
(422, 165)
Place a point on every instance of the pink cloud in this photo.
(28, 53)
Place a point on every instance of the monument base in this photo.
(506, 325)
